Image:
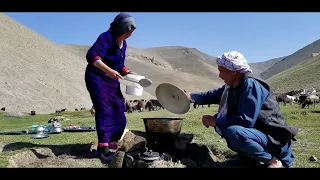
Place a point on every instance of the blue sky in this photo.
(258, 36)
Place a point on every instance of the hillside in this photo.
(167, 53)
(188, 60)
(132, 52)
(37, 74)
(303, 75)
(259, 67)
(177, 58)
(187, 81)
(163, 71)
(293, 59)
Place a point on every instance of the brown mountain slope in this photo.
(138, 61)
(260, 67)
(301, 76)
(292, 60)
(132, 52)
(188, 60)
(187, 81)
(36, 74)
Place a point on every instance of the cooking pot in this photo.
(163, 125)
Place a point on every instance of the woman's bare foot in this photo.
(275, 163)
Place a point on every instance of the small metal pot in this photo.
(40, 130)
(163, 125)
(56, 130)
(40, 133)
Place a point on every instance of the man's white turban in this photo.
(234, 61)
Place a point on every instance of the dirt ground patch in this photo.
(186, 154)
(45, 157)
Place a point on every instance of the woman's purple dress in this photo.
(105, 92)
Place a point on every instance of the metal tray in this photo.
(81, 129)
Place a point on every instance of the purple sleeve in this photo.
(98, 49)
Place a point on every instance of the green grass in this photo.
(303, 75)
(307, 145)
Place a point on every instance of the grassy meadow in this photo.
(307, 120)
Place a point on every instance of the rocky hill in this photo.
(37, 74)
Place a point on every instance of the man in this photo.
(249, 117)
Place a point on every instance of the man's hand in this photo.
(188, 95)
(208, 120)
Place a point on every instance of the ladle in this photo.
(143, 82)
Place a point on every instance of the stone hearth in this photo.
(176, 151)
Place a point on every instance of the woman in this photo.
(105, 67)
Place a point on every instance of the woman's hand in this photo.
(110, 72)
(114, 74)
(208, 120)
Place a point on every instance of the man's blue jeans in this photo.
(255, 144)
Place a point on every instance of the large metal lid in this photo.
(172, 98)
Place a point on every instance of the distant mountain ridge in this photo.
(291, 60)
(46, 76)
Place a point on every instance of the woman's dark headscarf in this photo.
(122, 23)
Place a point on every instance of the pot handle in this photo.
(129, 156)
